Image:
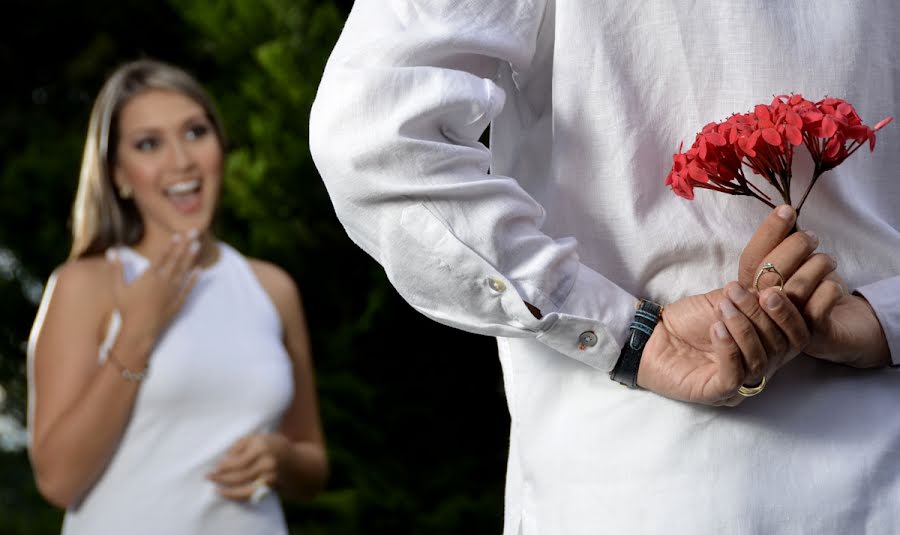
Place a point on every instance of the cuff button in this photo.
(587, 339)
(496, 284)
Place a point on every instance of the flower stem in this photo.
(817, 172)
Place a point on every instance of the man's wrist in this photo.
(645, 320)
(881, 351)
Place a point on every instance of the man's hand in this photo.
(844, 327)
(707, 346)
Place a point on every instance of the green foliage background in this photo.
(413, 412)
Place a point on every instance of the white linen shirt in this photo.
(587, 101)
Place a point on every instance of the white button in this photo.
(496, 284)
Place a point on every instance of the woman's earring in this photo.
(125, 191)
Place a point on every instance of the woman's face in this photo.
(169, 155)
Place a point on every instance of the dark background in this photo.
(414, 413)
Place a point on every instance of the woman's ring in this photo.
(768, 267)
(750, 391)
(260, 489)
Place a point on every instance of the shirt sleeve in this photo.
(394, 131)
(884, 297)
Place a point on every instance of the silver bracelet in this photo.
(128, 375)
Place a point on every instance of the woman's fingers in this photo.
(165, 262)
(190, 280)
(246, 466)
(186, 257)
(246, 474)
(245, 491)
(178, 255)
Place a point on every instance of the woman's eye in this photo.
(147, 144)
(196, 132)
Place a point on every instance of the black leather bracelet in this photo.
(645, 319)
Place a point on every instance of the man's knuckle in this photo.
(744, 331)
(757, 367)
(803, 338)
(779, 345)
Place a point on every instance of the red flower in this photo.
(764, 142)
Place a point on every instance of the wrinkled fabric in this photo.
(567, 211)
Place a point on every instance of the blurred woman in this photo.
(171, 385)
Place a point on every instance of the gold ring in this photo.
(768, 267)
(750, 391)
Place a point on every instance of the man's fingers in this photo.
(788, 319)
(773, 230)
(773, 341)
(801, 285)
(742, 330)
(787, 257)
(728, 378)
(822, 302)
(833, 276)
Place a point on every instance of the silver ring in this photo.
(260, 489)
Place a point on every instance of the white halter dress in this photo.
(218, 373)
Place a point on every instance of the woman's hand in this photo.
(149, 303)
(252, 461)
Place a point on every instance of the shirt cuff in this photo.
(883, 298)
(592, 324)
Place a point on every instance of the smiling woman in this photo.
(171, 382)
(170, 149)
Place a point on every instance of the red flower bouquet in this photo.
(763, 141)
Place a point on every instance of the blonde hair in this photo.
(101, 217)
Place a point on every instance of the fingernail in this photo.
(736, 293)
(773, 301)
(727, 308)
(832, 263)
(812, 236)
(111, 255)
(721, 331)
(176, 237)
(785, 212)
(194, 247)
(193, 233)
